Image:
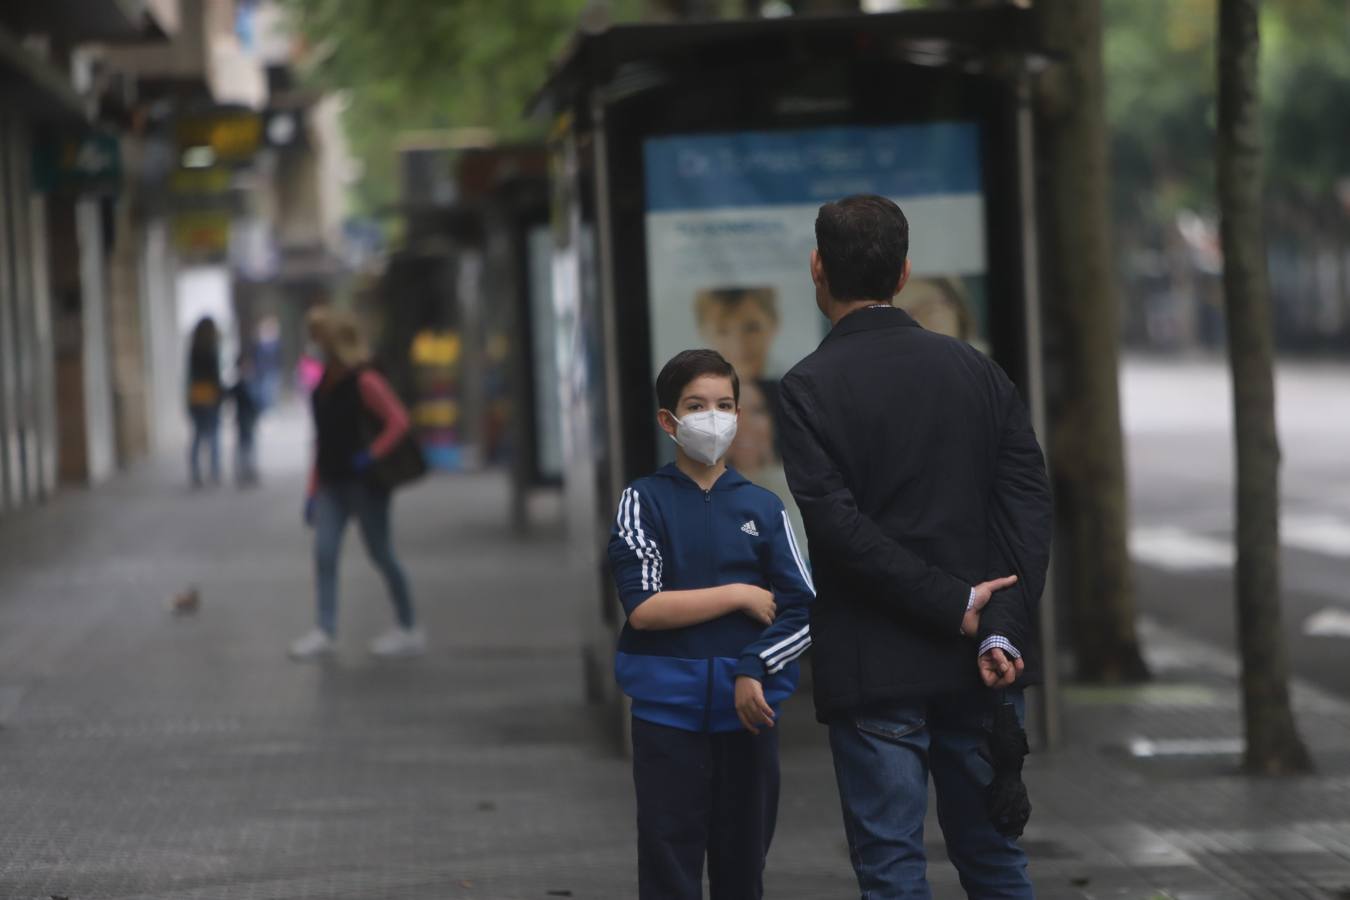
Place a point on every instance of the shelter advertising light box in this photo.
(730, 225)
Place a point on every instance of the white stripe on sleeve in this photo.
(630, 529)
(805, 632)
(625, 503)
(796, 553)
(651, 550)
(776, 665)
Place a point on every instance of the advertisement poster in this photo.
(730, 221)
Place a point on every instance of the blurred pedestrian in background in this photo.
(309, 364)
(308, 370)
(204, 396)
(358, 421)
(267, 362)
(246, 394)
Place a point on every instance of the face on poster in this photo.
(730, 222)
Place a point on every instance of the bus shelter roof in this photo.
(983, 39)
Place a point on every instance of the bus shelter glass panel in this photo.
(544, 352)
(730, 225)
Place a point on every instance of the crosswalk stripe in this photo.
(1179, 549)
(1316, 534)
(1330, 622)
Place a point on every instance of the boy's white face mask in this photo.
(705, 436)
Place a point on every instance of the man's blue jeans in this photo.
(882, 758)
(333, 506)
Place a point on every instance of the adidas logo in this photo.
(750, 529)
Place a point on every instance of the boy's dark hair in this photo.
(687, 365)
(863, 241)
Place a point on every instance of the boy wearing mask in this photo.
(717, 596)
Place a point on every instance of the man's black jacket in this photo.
(918, 475)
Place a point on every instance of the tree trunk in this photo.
(1083, 322)
(1273, 744)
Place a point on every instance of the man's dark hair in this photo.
(863, 241)
(687, 365)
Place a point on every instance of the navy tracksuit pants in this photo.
(698, 794)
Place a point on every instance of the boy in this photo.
(717, 595)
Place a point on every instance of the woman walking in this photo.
(358, 420)
(204, 395)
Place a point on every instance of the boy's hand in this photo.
(758, 604)
(751, 707)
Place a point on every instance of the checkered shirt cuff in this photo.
(970, 604)
(999, 642)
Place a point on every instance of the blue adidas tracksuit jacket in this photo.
(670, 534)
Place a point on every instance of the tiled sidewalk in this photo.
(148, 756)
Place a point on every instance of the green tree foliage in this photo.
(1306, 92)
(432, 64)
(1160, 88)
(1159, 57)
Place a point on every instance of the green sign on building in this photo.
(89, 164)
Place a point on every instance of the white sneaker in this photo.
(399, 641)
(311, 645)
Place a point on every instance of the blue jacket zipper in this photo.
(708, 520)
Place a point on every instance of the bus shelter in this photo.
(687, 163)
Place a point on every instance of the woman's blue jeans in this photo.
(333, 506)
(882, 759)
(205, 430)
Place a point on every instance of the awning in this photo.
(35, 87)
(87, 21)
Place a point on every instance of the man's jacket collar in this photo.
(870, 318)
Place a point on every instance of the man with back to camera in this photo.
(927, 510)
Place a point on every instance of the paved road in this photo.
(1178, 424)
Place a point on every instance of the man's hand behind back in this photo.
(980, 597)
(997, 670)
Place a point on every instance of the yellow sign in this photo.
(232, 137)
(431, 348)
(436, 413)
(200, 181)
(199, 233)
